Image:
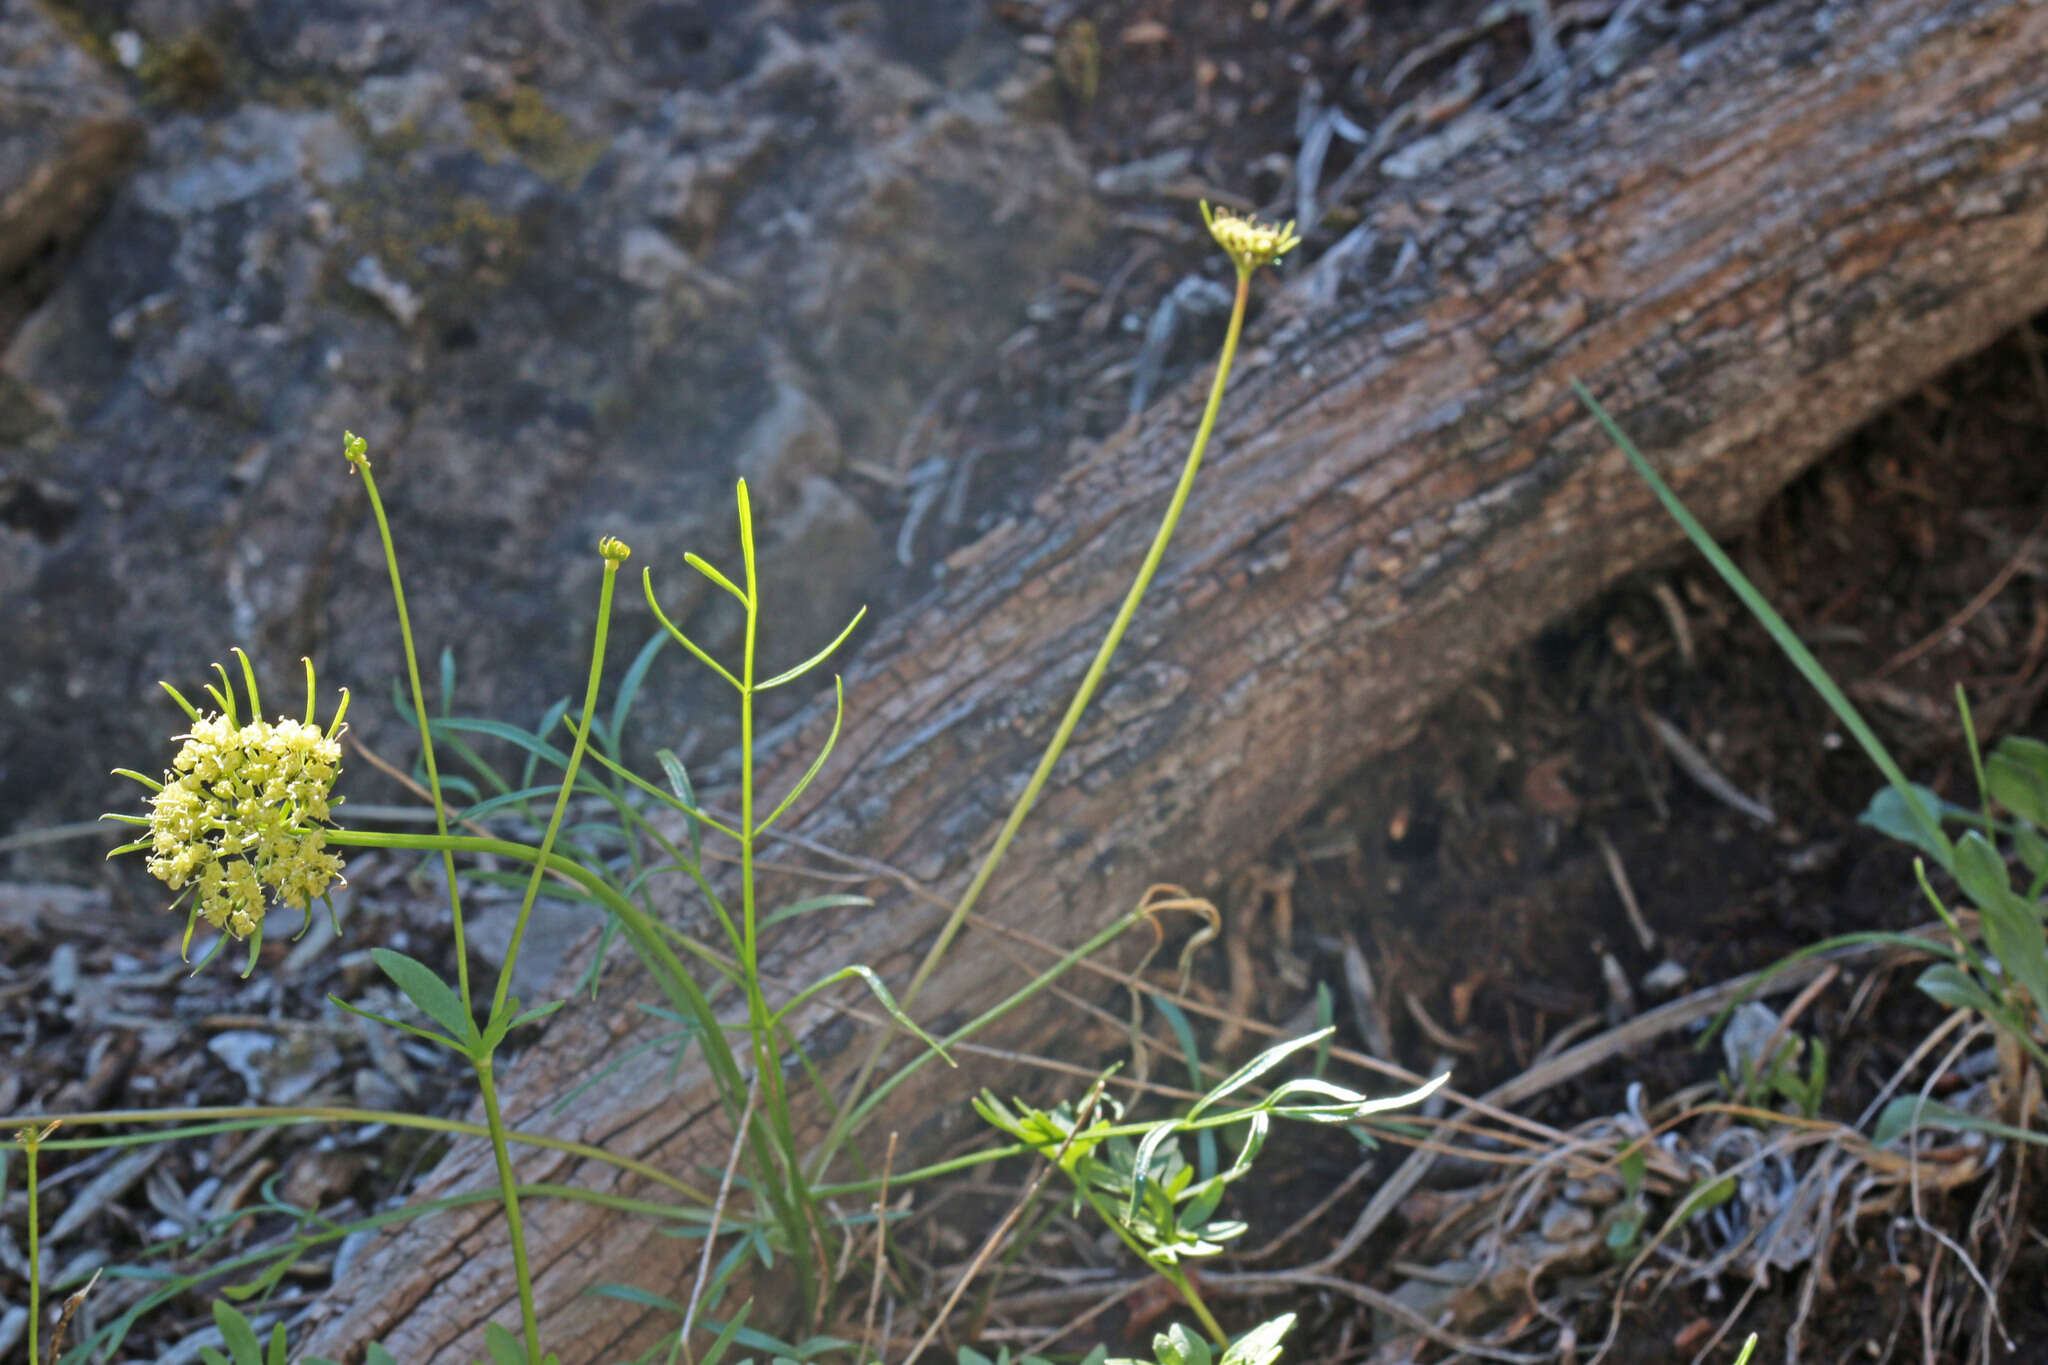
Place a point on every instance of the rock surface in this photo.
(567, 268)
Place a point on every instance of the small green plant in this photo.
(1778, 1079)
(1178, 1346)
(2006, 986)
(1137, 1180)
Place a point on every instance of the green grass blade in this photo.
(1802, 658)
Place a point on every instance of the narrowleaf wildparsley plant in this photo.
(246, 818)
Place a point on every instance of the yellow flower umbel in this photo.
(1250, 243)
(240, 819)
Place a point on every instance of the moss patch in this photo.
(525, 125)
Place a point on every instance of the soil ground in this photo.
(1470, 870)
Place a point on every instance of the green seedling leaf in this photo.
(433, 995)
(236, 1333)
(2012, 928)
(2032, 850)
(1910, 1111)
(505, 1348)
(1890, 816)
(1178, 1346)
(1949, 985)
(2017, 773)
(1705, 1195)
(277, 1346)
(1261, 1345)
(1748, 1349)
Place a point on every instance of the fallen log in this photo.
(1744, 250)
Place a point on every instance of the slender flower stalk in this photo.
(31, 1139)
(1249, 245)
(358, 454)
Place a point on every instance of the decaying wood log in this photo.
(1744, 250)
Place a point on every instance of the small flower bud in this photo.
(356, 449)
(613, 549)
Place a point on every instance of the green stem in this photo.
(31, 1140)
(1082, 696)
(1174, 1275)
(547, 842)
(419, 711)
(515, 1225)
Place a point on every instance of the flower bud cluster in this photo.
(238, 818)
(1250, 243)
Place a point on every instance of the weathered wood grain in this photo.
(1743, 250)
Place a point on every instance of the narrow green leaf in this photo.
(426, 1035)
(629, 685)
(647, 585)
(1184, 1034)
(679, 783)
(1910, 1111)
(720, 1344)
(818, 763)
(1257, 1067)
(447, 680)
(882, 996)
(433, 995)
(807, 905)
(236, 1333)
(791, 674)
(711, 571)
(1787, 639)
(524, 740)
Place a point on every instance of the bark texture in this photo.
(1743, 250)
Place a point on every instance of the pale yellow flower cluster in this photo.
(238, 817)
(1250, 243)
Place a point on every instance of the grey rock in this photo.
(67, 134)
(568, 271)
